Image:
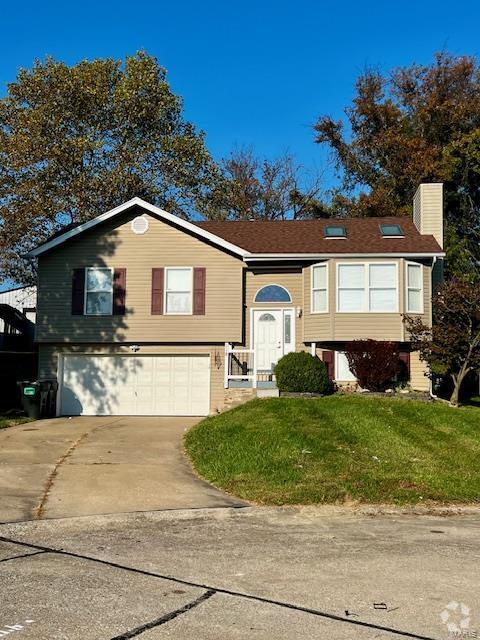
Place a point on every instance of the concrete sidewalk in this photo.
(99, 465)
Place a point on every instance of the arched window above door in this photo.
(272, 293)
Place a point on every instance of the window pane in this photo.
(351, 275)
(272, 293)
(391, 230)
(383, 300)
(99, 303)
(178, 302)
(179, 279)
(415, 276)
(335, 232)
(414, 301)
(99, 280)
(351, 300)
(319, 300)
(319, 277)
(287, 325)
(382, 275)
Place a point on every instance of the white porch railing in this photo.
(240, 364)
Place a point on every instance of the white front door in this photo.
(273, 336)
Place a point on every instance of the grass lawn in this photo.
(341, 448)
(10, 421)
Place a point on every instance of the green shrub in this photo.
(302, 373)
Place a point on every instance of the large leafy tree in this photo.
(76, 141)
(418, 123)
(250, 187)
(452, 346)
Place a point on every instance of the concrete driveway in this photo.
(98, 465)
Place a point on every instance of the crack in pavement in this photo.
(24, 555)
(236, 594)
(40, 509)
(167, 617)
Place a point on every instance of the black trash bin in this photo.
(31, 398)
(45, 387)
(52, 399)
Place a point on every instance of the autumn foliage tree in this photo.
(452, 346)
(78, 140)
(415, 124)
(249, 187)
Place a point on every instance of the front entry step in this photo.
(268, 393)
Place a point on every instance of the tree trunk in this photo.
(457, 383)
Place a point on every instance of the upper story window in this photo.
(272, 293)
(178, 290)
(414, 289)
(320, 288)
(335, 231)
(391, 231)
(98, 291)
(371, 287)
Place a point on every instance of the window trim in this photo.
(165, 291)
(312, 289)
(85, 291)
(366, 300)
(272, 284)
(408, 287)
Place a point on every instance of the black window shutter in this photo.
(78, 291)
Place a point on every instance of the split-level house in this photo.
(143, 312)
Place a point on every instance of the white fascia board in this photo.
(160, 213)
(265, 257)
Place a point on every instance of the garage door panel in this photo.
(135, 385)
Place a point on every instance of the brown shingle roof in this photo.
(307, 236)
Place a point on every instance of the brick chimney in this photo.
(428, 210)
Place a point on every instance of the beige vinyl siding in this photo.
(113, 244)
(428, 210)
(418, 369)
(290, 279)
(48, 361)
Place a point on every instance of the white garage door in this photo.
(135, 385)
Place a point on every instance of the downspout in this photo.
(430, 389)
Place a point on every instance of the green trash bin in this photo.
(31, 398)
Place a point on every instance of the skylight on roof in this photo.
(391, 230)
(335, 231)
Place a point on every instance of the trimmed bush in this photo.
(300, 372)
(374, 363)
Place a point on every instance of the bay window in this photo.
(367, 288)
(414, 287)
(320, 288)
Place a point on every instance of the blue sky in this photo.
(251, 73)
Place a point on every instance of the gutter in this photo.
(269, 257)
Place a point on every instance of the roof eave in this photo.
(275, 257)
